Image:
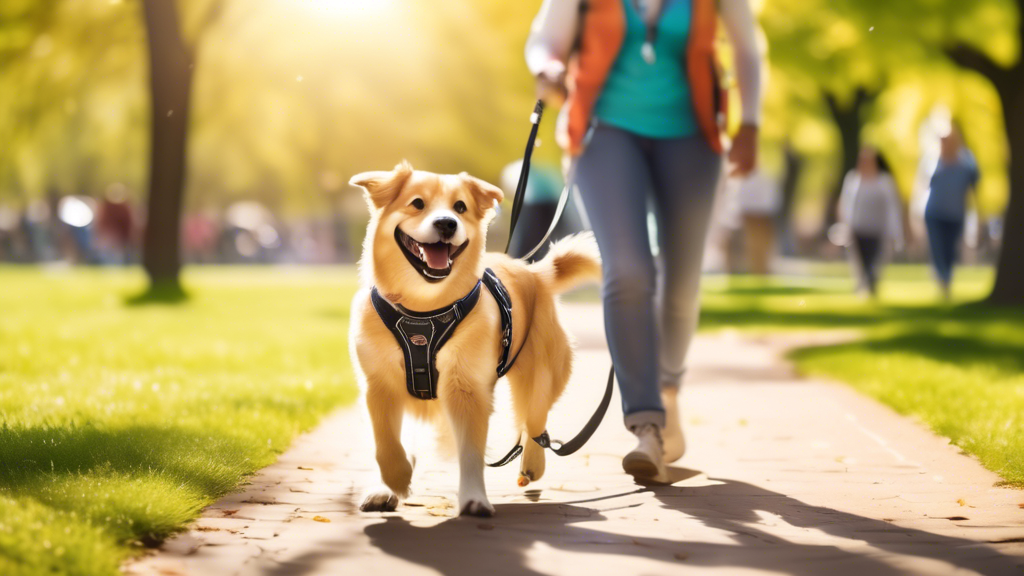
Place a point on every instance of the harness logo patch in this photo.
(418, 339)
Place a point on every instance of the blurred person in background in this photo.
(870, 208)
(758, 199)
(955, 175)
(641, 122)
(540, 202)
(199, 234)
(115, 226)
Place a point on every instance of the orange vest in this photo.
(603, 30)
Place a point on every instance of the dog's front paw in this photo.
(532, 467)
(477, 507)
(396, 474)
(379, 500)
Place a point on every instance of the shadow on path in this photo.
(728, 524)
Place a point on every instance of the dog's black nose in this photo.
(446, 227)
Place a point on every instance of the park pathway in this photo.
(783, 476)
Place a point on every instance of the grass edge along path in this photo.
(957, 368)
(119, 423)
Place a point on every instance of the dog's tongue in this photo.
(437, 255)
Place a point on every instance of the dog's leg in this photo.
(468, 411)
(395, 468)
(531, 388)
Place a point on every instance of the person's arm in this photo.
(739, 23)
(847, 196)
(550, 43)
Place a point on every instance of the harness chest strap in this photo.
(422, 334)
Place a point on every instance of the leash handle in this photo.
(524, 172)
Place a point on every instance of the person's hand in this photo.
(551, 83)
(743, 154)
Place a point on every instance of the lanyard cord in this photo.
(651, 34)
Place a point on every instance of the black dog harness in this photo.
(422, 334)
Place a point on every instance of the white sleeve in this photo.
(552, 34)
(739, 23)
(847, 197)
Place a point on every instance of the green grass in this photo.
(120, 422)
(958, 368)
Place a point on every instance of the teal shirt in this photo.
(651, 100)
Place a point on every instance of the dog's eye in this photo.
(417, 204)
(460, 206)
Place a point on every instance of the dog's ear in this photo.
(383, 187)
(487, 195)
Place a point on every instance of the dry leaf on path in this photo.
(962, 502)
(304, 468)
(321, 519)
(228, 512)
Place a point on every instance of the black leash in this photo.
(545, 441)
(524, 172)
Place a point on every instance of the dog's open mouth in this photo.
(432, 261)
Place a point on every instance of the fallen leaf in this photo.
(228, 512)
(681, 556)
(206, 529)
(304, 468)
(1021, 505)
(321, 519)
(962, 502)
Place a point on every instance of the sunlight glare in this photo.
(347, 8)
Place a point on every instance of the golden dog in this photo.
(424, 249)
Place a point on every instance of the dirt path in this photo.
(783, 476)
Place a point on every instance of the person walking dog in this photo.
(641, 122)
(870, 206)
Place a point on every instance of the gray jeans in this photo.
(651, 305)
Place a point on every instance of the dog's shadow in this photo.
(725, 524)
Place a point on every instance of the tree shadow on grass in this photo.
(147, 479)
(965, 353)
(911, 316)
(729, 524)
(164, 293)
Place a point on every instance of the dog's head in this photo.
(427, 231)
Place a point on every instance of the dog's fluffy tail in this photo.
(569, 263)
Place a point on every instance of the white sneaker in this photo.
(647, 460)
(674, 441)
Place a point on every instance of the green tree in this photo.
(1007, 76)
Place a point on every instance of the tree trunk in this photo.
(848, 121)
(170, 83)
(1009, 286)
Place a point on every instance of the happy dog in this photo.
(427, 332)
